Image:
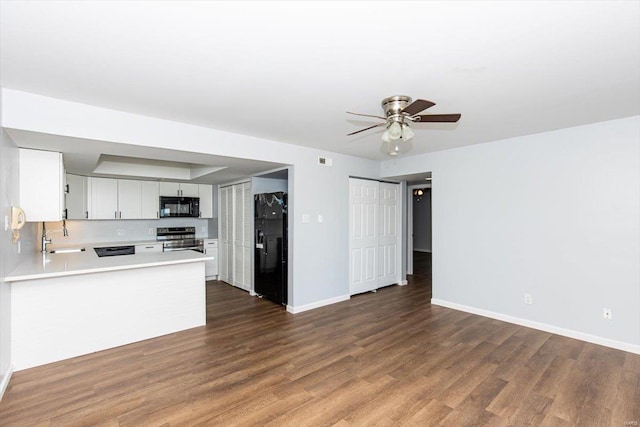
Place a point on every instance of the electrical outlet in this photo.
(151, 231)
(120, 232)
(607, 314)
(528, 299)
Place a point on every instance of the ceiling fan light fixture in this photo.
(395, 130)
(407, 133)
(393, 149)
(385, 137)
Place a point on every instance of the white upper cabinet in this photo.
(205, 193)
(103, 198)
(188, 190)
(129, 199)
(150, 200)
(171, 189)
(177, 189)
(122, 199)
(76, 199)
(41, 185)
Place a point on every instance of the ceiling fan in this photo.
(399, 111)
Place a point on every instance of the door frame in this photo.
(410, 189)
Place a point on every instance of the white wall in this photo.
(319, 251)
(554, 214)
(261, 185)
(9, 255)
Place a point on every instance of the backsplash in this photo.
(81, 232)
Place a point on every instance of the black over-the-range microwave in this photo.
(171, 207)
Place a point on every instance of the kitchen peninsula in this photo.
(69, 304)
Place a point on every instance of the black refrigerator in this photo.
(270, 275)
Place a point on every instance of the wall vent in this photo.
(325, 161)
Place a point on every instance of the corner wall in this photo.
(9, 255)
(555, 214)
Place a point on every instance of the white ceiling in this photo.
(289, 71)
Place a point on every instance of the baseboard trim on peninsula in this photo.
(619, 345)
(5, 381)
(317, 304)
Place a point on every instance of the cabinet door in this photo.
(211, 267)
(103, 199)
(129, 194)
(170, 189)
(41, 181)
(76, 197)
(150, 200)
(188, 190)
(205, 192)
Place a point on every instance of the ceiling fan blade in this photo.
(370, 127)
(418, 105)
(446, 118)
(367, 115)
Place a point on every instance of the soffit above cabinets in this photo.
(115, 160)
(152, 168)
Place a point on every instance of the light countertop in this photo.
(41, 266)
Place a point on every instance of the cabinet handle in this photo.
(115, 214)
(66, 188)
(148, 247)
(65, 213)
(157, 214)
(86, 214)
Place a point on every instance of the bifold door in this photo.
(374, 235)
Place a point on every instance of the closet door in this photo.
(230, 219)
(388, 234)
(363, 239)
(224, 235)
(247, 237)
(242, 218)
(374, 235)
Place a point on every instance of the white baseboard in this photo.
(421, 250)
(4, 383)
(403, 283)
(318, 304)
(619, 345)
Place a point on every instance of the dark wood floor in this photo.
(385, 358)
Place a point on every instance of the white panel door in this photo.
(388, 234)
(363, 239)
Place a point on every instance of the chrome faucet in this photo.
(44, 239)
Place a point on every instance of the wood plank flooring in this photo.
(387, 358)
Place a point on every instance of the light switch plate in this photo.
(306, 218)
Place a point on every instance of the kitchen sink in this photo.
(66, 250)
